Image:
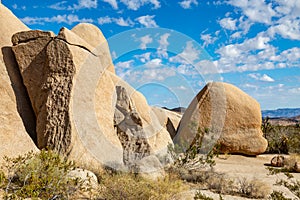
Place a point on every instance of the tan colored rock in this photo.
(75, 98)
(278, 161)
(93, 35)
(168, 119)
(223, 114)
(158, 137)
(16, 116)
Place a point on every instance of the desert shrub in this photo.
(119, 186)
(200, 196)
(281, 139)
(293, 186)
(275, 195)
(252, 188)
(193, 155)
(39, 175)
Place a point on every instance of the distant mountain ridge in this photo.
(281, 112)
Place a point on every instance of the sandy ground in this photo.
(252, 168)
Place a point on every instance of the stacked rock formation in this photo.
(82, 108)
(61, 92)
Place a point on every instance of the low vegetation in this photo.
(281, 139)
(41, 175)
(44, 175)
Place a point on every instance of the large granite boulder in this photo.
(17, 121)
(83, 109)
(223, 114)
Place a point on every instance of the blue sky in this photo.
(168, 50)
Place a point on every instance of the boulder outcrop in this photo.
(16, 116)
(83, 109)
(223, 114)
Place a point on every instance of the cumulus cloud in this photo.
(228, 23)
(260, 77)
(143, 57)
(154, 63)
(163, 45)
(113, 3)
(187, 4)
(147, 21)
(207, 39)
(136, 4)
(255, 10)
(145, 40)
(67, 19)
(188, 56)
(119, 21)
(81, 4)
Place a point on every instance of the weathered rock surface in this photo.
(168, 119)
(16, 116)
(278, 161)
(83, 109)
(93, 35)
(223, 114)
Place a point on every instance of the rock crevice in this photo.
(129, 128)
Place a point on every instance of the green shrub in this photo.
(39, 175)
(200, 196)
(278, 196)
(281, 139)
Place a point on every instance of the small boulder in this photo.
(278, 161)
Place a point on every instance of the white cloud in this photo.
(187, 4)
(188, 55)
(228, 23)
(154, 63)
(113, 3)
(163, 45)
(145, 40)
(68, 19)
(16, 7)
(260, 77)
(124, 65)
(287, 28)
(82, 4)
(136, 4)
(143, 57)
(208, 39)
(255, 10)
(147, 21)
(119, 21)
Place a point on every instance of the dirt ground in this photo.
(252, 168)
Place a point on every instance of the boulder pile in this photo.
(61, 92)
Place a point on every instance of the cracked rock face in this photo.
(225, 115)
(47, 69)
(83, 109)
(129, 129)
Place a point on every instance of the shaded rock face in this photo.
(221, 113)
(46, 65)
(129, 129)
(168, 119)
(16, 116)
